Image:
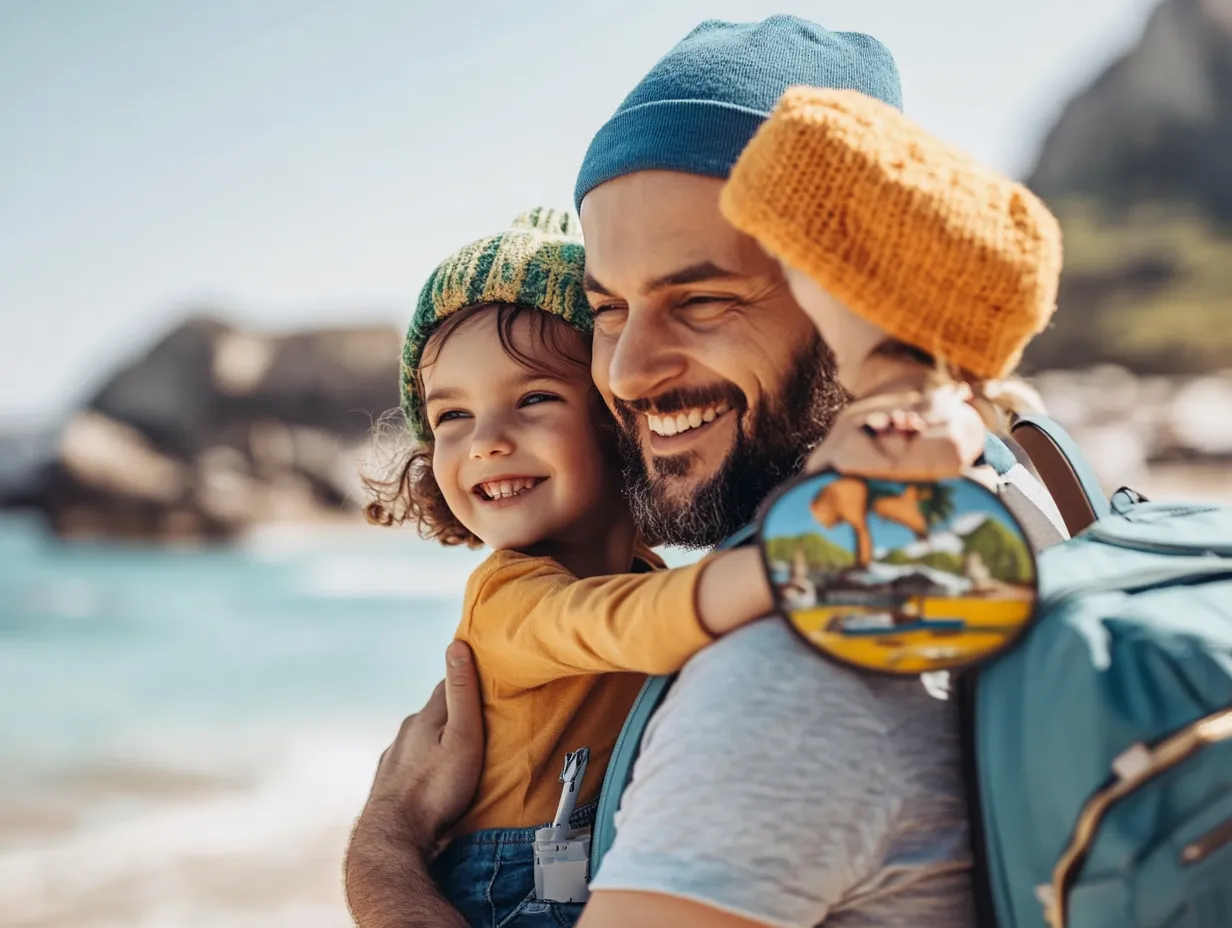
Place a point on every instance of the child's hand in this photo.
(913, 436)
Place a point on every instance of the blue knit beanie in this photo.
(699, 106)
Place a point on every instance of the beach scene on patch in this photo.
(902, 578)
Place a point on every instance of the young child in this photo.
(926, 273)
(516, 451)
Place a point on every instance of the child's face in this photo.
(517, 454)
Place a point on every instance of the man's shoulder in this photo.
(762, 691)
(784, 788)
(767, 662)
(769, 654)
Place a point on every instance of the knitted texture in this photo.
(905, 230)
(701, 103)
(539, 261)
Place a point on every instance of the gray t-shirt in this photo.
(790, 791)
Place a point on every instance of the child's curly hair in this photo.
(407, 489)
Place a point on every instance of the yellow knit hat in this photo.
(905, 230)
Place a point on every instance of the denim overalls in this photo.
(489, 877)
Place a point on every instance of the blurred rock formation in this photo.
(214, 429)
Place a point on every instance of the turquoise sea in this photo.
(187, 735)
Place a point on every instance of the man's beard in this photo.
(768, 450)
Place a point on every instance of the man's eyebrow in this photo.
(701, 272)
(693, 274)
(591, 285)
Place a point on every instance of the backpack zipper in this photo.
(1217, 838)
(1151, 547)
(1173, 750)
(1190, 568)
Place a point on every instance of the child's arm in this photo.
(733, 591)
(531, 621)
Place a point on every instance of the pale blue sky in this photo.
(301, 161)
(791, 517)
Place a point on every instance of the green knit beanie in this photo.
(539, 261)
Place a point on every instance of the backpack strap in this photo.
(629, 743)
(997, 455)
(620, 766)
(1063, 470)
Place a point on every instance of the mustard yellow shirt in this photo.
(560, 662)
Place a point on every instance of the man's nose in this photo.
(491, 439)
(646, 358)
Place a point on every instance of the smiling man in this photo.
(720, 384)
(772, 789)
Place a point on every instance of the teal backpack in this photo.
(1099, 751)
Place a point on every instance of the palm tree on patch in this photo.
(937, 504)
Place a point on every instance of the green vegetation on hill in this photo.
(1002, 551)
(820, 553)
(1149, 288)
(1137, 167)
(938, 560)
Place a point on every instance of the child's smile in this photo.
(506, 490)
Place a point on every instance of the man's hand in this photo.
(914, 437)
(424, 781)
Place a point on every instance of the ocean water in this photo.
(187, 736)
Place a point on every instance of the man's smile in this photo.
(684, 431)
(686, 419)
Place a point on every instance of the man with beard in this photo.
(771, 788)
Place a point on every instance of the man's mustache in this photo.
(679, 400)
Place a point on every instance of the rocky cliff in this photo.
(1157, 124)
(214, 429)
(1138, 167)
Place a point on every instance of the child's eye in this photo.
(531, 399)
(449, 414)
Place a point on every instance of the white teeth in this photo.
(682, 422)
(501, 489)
